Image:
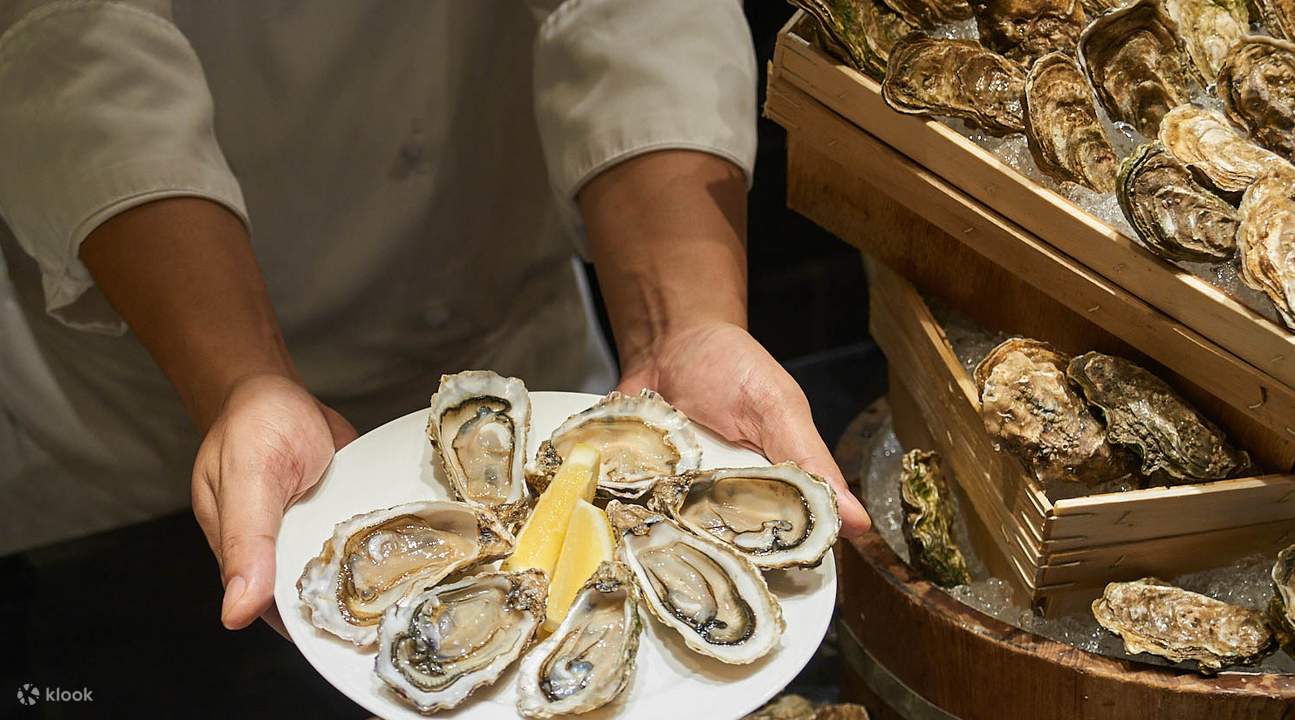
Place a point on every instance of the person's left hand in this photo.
(718, 375)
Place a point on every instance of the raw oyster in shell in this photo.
(1266, 240)
(1182, 626)
(927, 520)
(1030, 409)
(1174, 215)
(1144, 414)
(703, 589)
(1133, 59)
(1207, 144)
(779, 516)
(478, 424)
(375, 558)
(1061, 124)
(589, 659)
(1208, 28)
(443, 642)
(1025, 30)
(1257, 87)
(929, 14)
(861, 32)
(1281, 611)
(958, 78)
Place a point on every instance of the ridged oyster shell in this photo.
(1208, 145)
(1278, 17)
(443, 642)
(1172, 214)
(1065, 135)
(958, 78)
(1025, 30)
(589, 659)
(1173, 441)
(778, 516)
(1182, 626)
(478, 424)
(1257, 87)
(1208, 28)
(1266, 240)
(927, 520)
(929, 14)
(701, 588)
(1281, 612)
(861, 32)
(375, 558)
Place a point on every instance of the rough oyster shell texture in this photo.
(1024, 30)
(928, 14)
(1172, 214)
(1093, 8)
(1207, 144)
(1281, 612)
(1208, 28)
(1257, 87)
(861, 32)
(1064, 133)
(927, 520)
(1134, 60)
(1266, 240)
(1278, 17)
(1182, 626)
(958, 78)
(1173, 441)
(1031, 410)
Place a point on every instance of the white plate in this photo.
(393, 464)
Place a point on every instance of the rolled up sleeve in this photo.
(103, 107)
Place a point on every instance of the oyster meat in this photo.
(1257, 87)
(1281, 612)
(1208, 28)
(1207, 144)
(1144, 414)
(927, 521)
(1025, 30)
(779, 516)
(1133, 59)
(375, 558)
(1061, 124)
(928, 14)
(703, 589)
(1266, 240)
(589, 659)
(1174, 216)
(1030, 409)
(1182, 626)
(443, 642)
(958, 78)
(478, 424)
(861, 32)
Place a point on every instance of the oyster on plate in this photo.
(1024, 30)
(779, 516)
(1031, 410)
(375, 558)
(928, 14)
(1266, 240)
(639, 437)
(927, 520)
(1208, 28)
(589, 659)
(1065, 135)
(443, 642)
(1278, 16)
(1174, 215)
(1257, 87)
(1281, 612)
(1144, 414)
(958, 78)
(701, 588)
(478, 424)
(1155, 617)
(1135, 62)
(861, 32)
(1207, 144)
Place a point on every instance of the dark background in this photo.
(133, 614)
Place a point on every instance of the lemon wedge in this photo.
(540, 541)
(588, 543)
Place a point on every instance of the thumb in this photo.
(250, 512)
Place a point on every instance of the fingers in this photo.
(342, 430)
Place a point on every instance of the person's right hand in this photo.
(270, 443)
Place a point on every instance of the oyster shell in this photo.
(589, 660)
(1133, 59)
(1278, 17)
(1061, 124)
(958, 78)
(1144, 414)
(1024, 30)
(1257, 87)
(478, 424)
(1182, 626)
(703, 589)
(1266, 240)
(375, 558)
(1173, 215)
(861, 32)
(1281, 612)
(928, 14)
(1030, 409)
(779, 516)
(443, 642)
(1208, 29)
(927, 521)
(1093, 8)
(1207, 144)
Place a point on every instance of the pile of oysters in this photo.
(417, 581)
(1204, 185)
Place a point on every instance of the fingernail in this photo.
(233, 593)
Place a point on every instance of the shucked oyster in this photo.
(1206, 143)
(779, 516)
(928, 14)
(1030, 409)
(1208, 28)
(589, 659)
(1155, 617)
(959, 78)
(478, 424)
(1134, 61)
(703, 589)
(927, 521)
(443, 642)
(1257, 86)
(1281, 611)
(1266, 240)
(1061, 125)
(861, 32)
(1144, 414)
(1023, 30)
(1173, 215)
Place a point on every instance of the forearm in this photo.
(181, 273)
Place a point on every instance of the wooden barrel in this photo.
(912, 651)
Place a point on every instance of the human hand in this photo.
(269, 444)
(718, 375)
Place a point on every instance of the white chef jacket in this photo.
(407, 169)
